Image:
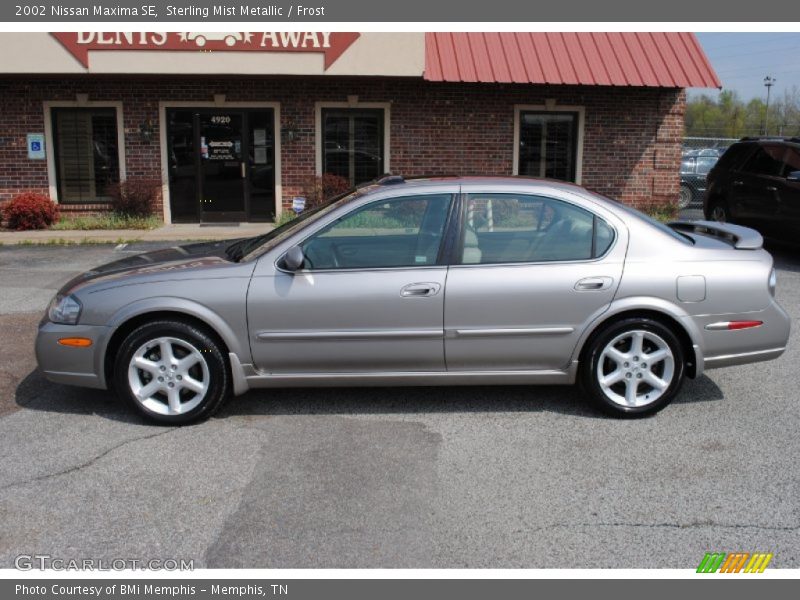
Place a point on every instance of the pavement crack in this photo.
(693, 525)
(86, 464)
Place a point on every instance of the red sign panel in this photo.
(330, 44)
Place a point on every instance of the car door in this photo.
(369, 297)
(789, 195)
(754, 188)
(528, 275)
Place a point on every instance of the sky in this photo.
(742, 60)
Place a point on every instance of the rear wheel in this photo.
(633, 368)
(685, 198)
(171, 372)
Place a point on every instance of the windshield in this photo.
(250, 247)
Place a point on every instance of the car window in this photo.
(791, 161)
(510, 228)
(766, 160)
(735, 155)
(400, 232)
(705, 163)
(687, 165)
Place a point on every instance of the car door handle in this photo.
(593, 284)
(738, 183)
(420, 290)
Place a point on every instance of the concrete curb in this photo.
(192, 232)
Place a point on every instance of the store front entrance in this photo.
(221, 164)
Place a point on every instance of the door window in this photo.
(548, 144)
(402, 232)
(510, 228)
(86, 153)
(352, 144)
(791, 161)
(767, 160)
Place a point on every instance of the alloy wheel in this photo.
(718, 214)
(635, 368)
(168, 376)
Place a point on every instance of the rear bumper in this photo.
(69, 365)
(726, 348)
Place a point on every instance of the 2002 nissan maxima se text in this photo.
(425, 282)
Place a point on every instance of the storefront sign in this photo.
(331, 44)
(36, 146)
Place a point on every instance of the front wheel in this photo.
(171, 372)
(633, 368)
(719, 212)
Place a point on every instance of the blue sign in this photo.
(298, 204)
(36, 146)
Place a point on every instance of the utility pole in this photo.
(768, 83)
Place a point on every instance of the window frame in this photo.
(456, 251)
(551, 107)
(445, 243)
(50, 148)
(354, 104)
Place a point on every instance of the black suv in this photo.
(757, 183)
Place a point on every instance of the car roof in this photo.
(531, 185)
(449, 180)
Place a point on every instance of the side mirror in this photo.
(294, 259)
(793, 176)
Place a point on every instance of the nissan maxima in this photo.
(436, 281)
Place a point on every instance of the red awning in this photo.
(673, 60)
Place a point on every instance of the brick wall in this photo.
(631, 143)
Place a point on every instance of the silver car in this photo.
(448, 281)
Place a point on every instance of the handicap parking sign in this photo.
(36, 146)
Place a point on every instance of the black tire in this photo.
(589, 373)
(718, 211)
(686, 197)
(187, 337)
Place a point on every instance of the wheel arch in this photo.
(133, 316)
(668, 318)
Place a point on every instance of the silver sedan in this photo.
(447, 281)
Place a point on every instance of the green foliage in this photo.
(729, 116)
(106, 221)
(285, 217)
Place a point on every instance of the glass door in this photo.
(223, 170)
(221, 164)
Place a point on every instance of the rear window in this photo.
(735, 156)
(655, 223)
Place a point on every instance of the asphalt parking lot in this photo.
(416, 477)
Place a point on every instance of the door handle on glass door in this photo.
(420, 290)
(244, 168)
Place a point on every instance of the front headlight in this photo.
(65, 310)
(772, 282)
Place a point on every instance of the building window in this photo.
(548, 144)
(85, 141)
(353, 143)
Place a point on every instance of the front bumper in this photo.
(70, 365)
(726, 348)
